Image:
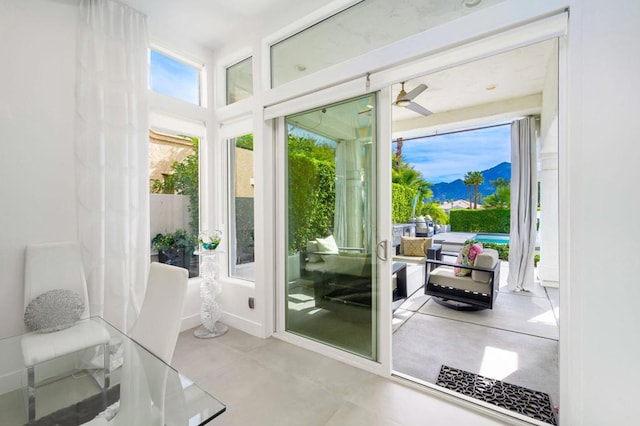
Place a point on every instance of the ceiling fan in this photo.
(405, 99)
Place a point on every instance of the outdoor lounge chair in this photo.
(471, 292)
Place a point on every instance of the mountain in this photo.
(457, 190)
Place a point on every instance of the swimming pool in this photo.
(492, 238)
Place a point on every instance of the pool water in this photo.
(492, 238)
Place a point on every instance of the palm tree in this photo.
(408, 176)
(476, 180)
(412, 178)
(398, 154)
(469, 182)
(500, 183)
(502, 197)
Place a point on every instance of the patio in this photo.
(516, 342)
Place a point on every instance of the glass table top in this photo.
(142, 390)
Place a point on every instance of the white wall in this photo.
(600, 338)
(37, 109)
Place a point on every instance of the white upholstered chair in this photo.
(144, 383)
(158, 324)
(58, 266)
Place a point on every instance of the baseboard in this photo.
(235, 321)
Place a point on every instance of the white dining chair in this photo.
(53, 267)
(144, 382)
(158, 324)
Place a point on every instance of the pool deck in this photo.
(452, 242)
(453, 237)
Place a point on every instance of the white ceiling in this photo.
(210, 22)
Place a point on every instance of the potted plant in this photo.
(175, 248)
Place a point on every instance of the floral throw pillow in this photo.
(467, 256)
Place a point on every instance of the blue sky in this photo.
(174, 78)
(449, 157)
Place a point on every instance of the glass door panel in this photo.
(331, 290)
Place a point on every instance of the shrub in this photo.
(502, 249)
(491, 220)
(436, 213)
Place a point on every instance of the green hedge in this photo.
(489, 220)
(402, 199)
(502, 249)
(311, 199)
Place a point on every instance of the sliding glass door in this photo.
(331, 285)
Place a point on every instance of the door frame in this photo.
(555, 26)
(382, 174)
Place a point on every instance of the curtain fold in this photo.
(522, 237)
(111, 151)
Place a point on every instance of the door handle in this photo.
(382, 245)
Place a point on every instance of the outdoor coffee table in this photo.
(399, 269)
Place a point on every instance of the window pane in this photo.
(174, 78)
(241, 223)
(239, 81)
(331, 288)
(360, 29)
(173, 202)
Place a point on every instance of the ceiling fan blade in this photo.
(418, 108)
(415, 92)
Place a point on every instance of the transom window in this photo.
(176, 78)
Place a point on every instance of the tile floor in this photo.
(271, 382)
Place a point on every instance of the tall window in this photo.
(174, 141)
(241, 201)
(174, 199)
(176, 78)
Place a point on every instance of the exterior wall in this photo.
(164, 150)
(244, 173)
(168, 212)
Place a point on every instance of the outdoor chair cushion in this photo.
(446, 277)
(312, 248)
(478, 281)
(487, 259)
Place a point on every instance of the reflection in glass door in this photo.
(331, 290)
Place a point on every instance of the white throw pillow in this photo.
(327, 245)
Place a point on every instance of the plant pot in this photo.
(176, 257)
(293, 267)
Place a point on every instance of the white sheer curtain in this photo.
(348, 226)
(111, 149)
(522, 238)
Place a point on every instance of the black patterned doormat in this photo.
(534, 404)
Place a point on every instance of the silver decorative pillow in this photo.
(54, 310)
